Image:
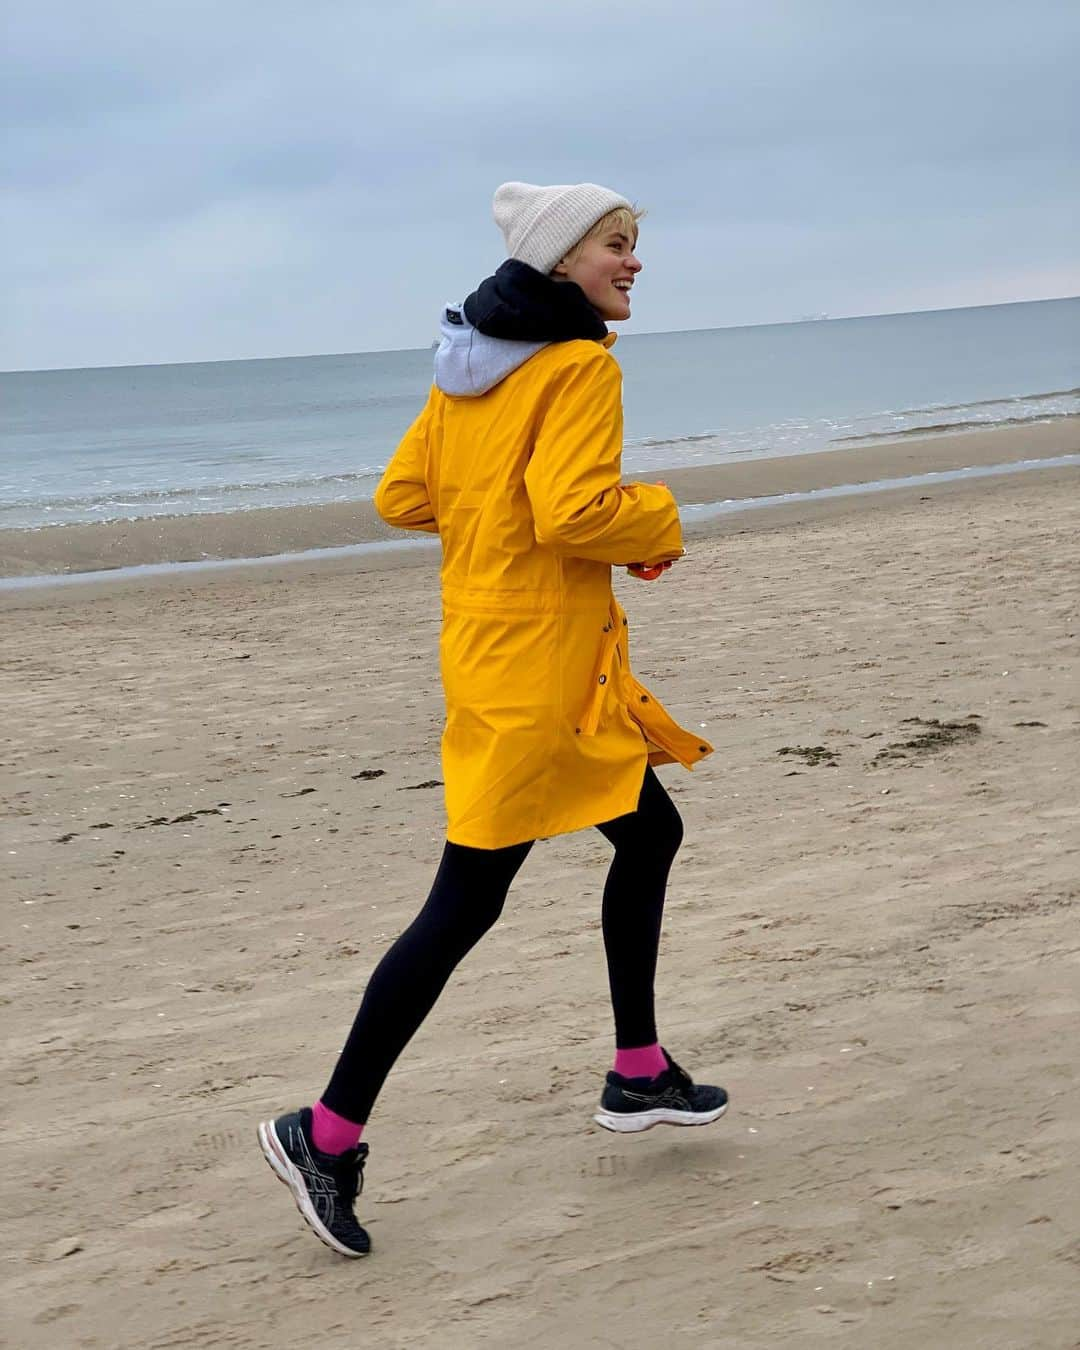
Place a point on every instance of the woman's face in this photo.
(604, 268)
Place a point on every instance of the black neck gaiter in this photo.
(521, 303)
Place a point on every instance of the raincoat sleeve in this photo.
(579, 506)
(402, 497)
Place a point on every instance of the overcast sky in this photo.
(206, 181)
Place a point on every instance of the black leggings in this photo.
(466, 899)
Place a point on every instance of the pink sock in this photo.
(644, 1061)
(332, 1133)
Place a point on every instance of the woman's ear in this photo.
(560, 269)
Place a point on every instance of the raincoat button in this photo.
(624, 623)
(577, 731)
(603, 679)
(644, 698)
(704, 749)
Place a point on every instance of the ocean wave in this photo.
(970, 424)
(796, 435)
(194, 491)
(653, 441)
(1001, 400)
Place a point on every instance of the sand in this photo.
(871, 943)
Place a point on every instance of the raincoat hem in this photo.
(593, 813)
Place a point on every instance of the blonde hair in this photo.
(623, 218)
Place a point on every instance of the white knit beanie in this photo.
(542, 224)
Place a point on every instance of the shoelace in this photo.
(680, 1077)
(349, 1174)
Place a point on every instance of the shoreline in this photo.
(707, 521)
(228, 576)
(267, 533)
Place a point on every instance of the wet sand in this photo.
(217, 816)
(260, 533)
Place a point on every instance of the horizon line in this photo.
(652, 332)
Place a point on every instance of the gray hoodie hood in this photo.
(468, 363)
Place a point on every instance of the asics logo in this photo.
(668, 1097)
(321, 1187)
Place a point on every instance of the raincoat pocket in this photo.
(602, 684)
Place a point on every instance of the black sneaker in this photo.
(324, 1185)
(671, 1098)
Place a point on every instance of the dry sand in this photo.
(872, 944)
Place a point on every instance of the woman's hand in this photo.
(647, 571)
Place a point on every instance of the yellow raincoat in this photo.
(547, 731)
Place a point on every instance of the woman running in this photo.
(515, 463)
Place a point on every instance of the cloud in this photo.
(208, 181)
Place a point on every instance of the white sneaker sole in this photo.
(645, 1120)
(286, 1172)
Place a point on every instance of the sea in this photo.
(117, 443)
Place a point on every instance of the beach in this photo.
(221, 804)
